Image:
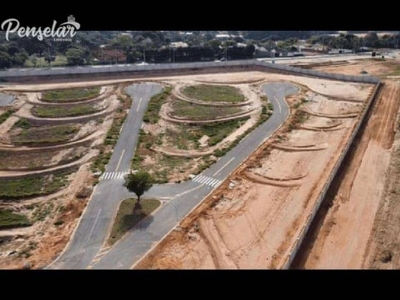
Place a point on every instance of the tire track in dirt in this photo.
(381, 118)
(254, 234)
(337, 194)
(265, 223)
(387, 215)
(385, 134)
(216, 246)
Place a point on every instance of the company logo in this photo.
(64, 32)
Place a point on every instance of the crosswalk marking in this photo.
(207, 180)
(113, 175)
(102, 252)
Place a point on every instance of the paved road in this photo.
(85, 249)
(6, 99)
(326, 58)
(92, 229)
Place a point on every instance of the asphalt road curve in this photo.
(85, 249)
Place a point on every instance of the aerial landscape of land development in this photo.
(200, 150)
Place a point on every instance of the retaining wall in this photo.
(331, 178)
(168, 69)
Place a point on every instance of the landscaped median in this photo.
(129, 215)
(190, 136)
(70, 95)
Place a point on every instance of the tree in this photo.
(34, 59)
(49, 58)
(371, 39)
(138, 183)
(75, 56)
(5, 60)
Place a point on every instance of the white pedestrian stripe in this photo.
(113, 175)
(207, 180)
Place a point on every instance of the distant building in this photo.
(222, 36)
(241, 45)
(178, 45)
(264, 52)
(364, 49)
(126, 34)
(340, 51)
(185, 33)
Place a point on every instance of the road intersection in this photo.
(87, 249)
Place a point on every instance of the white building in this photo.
(178, 45)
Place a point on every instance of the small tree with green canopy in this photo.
(138, 183)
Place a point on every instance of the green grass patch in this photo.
(33, 186)
(13, 160)
(59, 61)
(153, 108)
(48, 111)
(71, 95)
(27, 250)
(129, 215)
(299, 117)
(99, 165)
(38, 135)
(187, 136)
(183, 109)
(9, 219)
(214, 93)
(42, 211)
(266, 112)
(184, 137)
(218, 131)
(113, 133)
(23, 123)
(4, 116)
(165, 164)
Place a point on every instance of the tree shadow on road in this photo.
(137, 220)
(132, 216)
(145, 223)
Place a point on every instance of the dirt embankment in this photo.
(253, 223)
(358, 227)
(54, 216)
(356, 230)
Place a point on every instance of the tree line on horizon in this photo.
(94, 47)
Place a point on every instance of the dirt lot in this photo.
(253, 224)
(248, 226)
(360, 230)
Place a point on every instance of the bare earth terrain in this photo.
(360, 230)
(252, 223)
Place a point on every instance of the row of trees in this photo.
(155, 46)
(89, 47)
(351, 41)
